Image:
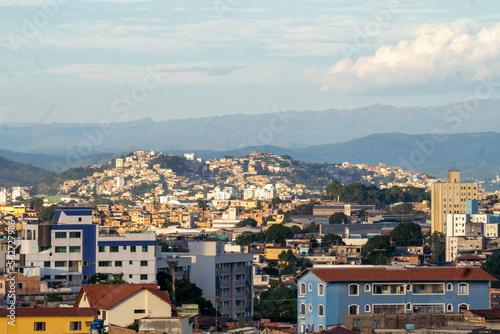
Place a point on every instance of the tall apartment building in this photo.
(71, 250)
(450, 198)
(225, 277)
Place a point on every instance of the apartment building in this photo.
(450, 198)
(71, 250)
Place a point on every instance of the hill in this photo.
(13, 173)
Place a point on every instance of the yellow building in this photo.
(272, 252)
(450, 197)
(51, 320)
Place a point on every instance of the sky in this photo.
(84, 61)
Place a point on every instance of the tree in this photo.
(436, 244)
(403, 209)
(258, 205)
(202, 204)
(279, 303)
(172, 266)
(492, 267)
(99, 278)
(189, 293)
(407, 234)
(362, 214)
(331, 239)
(278, 233)
(378, 249)
(338, 218)
(47, 215)
(247, 221)
(37, 204)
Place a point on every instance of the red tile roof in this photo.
(51, 312)
(415, 274)
(105, 296)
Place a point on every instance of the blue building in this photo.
(326, 294)
(71, 250)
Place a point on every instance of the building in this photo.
(326, 294)
(52, 320)
(450, 198)
(122, 304)
(225, 277)
(71, 250)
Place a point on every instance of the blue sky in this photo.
(77, 61)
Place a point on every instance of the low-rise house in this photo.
(122, 304)
(52, 320)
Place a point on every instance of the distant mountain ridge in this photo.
(289, 129)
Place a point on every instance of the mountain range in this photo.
(287, 129)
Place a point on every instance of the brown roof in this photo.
(470, 257)
(374, 274)
(488, 315)
(105, 296)
(51, 312)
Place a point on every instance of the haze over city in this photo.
(74, 61)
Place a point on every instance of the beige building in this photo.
(450, 198)
(122, 304)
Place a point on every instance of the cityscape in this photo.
(305, 167)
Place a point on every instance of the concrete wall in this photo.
(177, 325)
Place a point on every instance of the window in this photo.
(79, 219)
(139, 311)
(388, 308)
(302, 288)
(463, 289)
(310, 307)
(102, 249)
(86, 263)
(367, 308)
(320, 328)
(75, 249)
(428, 308)
(353, 309)
(43, 248)
(104, 263)
(408, 306)
(75, 326)
(376, 324)
(130, 262)
(302, 309)
(144, 263)
(118, 263)
(113, 249)
(408, 287)
(449, 287)
(310, 287)
(19, 285)
(353, 290)
(61, 264)
(321, 290)
(39, 326)
(60, 235)
(60, 249)
(75, 234)
(130, 276)
(428, 288)
(132, 248)
(450, 308)
(463, 307)
(144, 277)
(356, 323)
(389, 289)
(144, 248)
(321, 310)
(367, 287)
(46, 264)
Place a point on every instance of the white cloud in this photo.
(435, 54)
